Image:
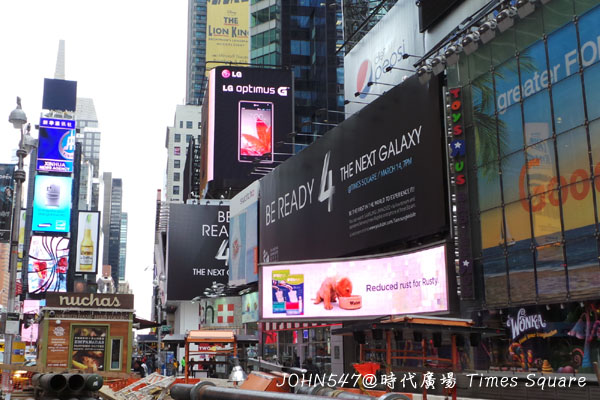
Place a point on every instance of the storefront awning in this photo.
(144, 323)
(174, 338)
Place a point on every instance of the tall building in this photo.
(303, 36)
(186, 127)
(89, 136)
(123, 247)
(111, 223)
(196, 52)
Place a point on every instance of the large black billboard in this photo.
(197, 249)
(250, 114)
(7, 188)
(377, 178)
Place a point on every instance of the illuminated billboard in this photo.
(52, 204)
(243, 236)
(56, 145)
(250, 114)
(227, 32)
(409, 283)
(48, 264)
(87, 242)
(7, 188)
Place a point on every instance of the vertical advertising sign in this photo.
(197, 249)
(89, 347)
(30, 334)
(250, 308)
(87, 242)
(52, 204)
(56, 147)
(243, 229)
(7, 188)
(250, 114)
(458, 154)
(48, 263)
(227, 32)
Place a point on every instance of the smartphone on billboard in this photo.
(255, 131)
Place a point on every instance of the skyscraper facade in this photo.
(111, 223)
(196, 52)
(187, 125)
(123, 247)
(303, 35)
(89, 136)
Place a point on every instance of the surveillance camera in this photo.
(51, 313)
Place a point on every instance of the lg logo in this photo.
(283, 90)
(233, 74)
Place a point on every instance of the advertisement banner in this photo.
(250, 308)
(30, 334)
(376, 178)
(227, 32)
(197, 249)
(58, 345)
(56, 147)
(250, 114)
(384, 46)
(7, 188)
(221, 312)
(48, 264)
(52, 204)
(87, 242)
(243, 228)
(409, 283)
(89, 346)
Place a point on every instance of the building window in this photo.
(177, 150)
(199, 125)
(175, 189)
(188, 138)
(189, 124)
(177, 163)
(176, 176)
(115, 354)
(177, 138)
(180, 124)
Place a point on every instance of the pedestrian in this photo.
(183, 365)
(175, 367)
(138, 369)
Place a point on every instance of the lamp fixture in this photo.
(371, 83)
(525, 7)
(487, 31)
(452, 54)
(506, 18)
(365, 93)
(389, 68)
(470, 42)
(424, 73)
(438, 64)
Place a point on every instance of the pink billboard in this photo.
(409, 283)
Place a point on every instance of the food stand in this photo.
(209, 343)
(86, 331)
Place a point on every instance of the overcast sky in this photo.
(127, 55)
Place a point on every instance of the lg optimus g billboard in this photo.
(378, 177)
(345, 289)
(250, 113)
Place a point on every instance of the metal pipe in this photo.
(75, 382)
(50, 382)
(206, 390)
(93, 382)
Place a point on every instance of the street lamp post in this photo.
(18, 119)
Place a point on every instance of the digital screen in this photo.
(48, 264)
(52, 204)
(409, 283)
(59, 95)
(56, 147)
(255, 131)
(87, 242)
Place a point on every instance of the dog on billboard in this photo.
(331, 289)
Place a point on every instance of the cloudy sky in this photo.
(129, 56)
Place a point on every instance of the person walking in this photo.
(183, 365)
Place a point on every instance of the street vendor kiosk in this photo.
(89, 332)
(209, 348)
